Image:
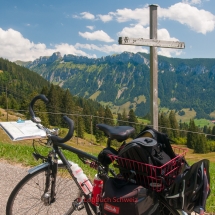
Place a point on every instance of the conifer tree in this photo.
(54, 104)
(164, 124)
(67, 102)
(80, 127)
(173, 124)
(119, 119)
(40, 107)
(132, 119)
(98, 120)
(213, 133)
(3, 101)
(124, 117)
(192, 135)
(45, 91)
(201, 144)
(108, 116)
(87, 118)
(14, 104)
(183, 128)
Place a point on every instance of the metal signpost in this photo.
(153, 43)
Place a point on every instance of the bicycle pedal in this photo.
(78, 205)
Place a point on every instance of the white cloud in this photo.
(134, 31)
(198, 20)
(163, 34)
(65, 48)
(201, 21)
(87, 15)
(192, 2)
(139, 14)
(90, 27)
(105, 18)
(14, 47)
(97, 35)
(114, 48)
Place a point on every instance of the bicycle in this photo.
(51, 187)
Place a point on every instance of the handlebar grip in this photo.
(42, 97)
(69, 135)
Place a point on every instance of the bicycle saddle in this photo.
(119, 133)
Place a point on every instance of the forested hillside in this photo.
(19, 85)
(123, 81)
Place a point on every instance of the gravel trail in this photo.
(10, 175)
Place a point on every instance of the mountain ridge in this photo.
(123, 80)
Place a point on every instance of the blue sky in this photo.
(30, 29)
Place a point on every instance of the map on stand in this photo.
(22, 130)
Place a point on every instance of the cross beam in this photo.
(153, 43)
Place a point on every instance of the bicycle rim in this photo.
(166, 209)
(26, 199)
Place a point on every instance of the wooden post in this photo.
(153, 43)
(153, 68)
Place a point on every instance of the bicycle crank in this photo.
(77, 204)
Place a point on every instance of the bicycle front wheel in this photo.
(28, 196)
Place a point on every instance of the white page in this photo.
(22, 130)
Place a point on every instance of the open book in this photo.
(22, 130)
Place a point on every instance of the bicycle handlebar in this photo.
(69, 121)
(69, 135)
(31, 110)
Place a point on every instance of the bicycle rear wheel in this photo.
(27, 196)
(166, 209)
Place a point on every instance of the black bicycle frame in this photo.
(68, 165)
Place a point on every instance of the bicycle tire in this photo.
(166, 209)
(26, 196)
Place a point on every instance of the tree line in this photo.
(87, 113)
(201, 140)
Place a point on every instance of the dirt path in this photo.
(10, 175)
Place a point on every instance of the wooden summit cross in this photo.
(153, 43)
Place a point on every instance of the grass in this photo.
(192, 158)
(95, 95)
(16, 153)
(211, 200)
(202, 122)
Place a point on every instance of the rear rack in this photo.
(155, 178)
